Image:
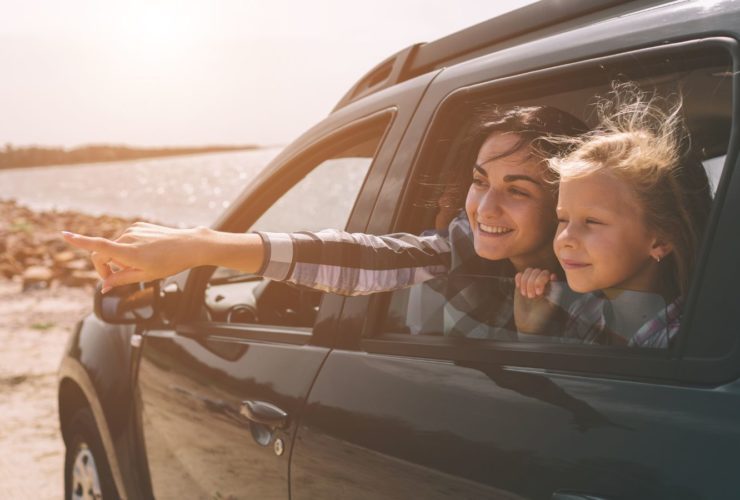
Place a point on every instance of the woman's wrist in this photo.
(242, 251)
(205, 247)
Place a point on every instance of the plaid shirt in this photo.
(589, 322)
(456, 302)
(463, 294)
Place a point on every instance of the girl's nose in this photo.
(565, 236)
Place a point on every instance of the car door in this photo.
(394, 414)
(221, 389)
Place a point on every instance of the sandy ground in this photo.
(34, 327)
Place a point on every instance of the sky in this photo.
(187, 72)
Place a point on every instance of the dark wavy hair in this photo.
(531, 123)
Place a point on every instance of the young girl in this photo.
(631, 210)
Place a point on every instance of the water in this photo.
(181, 190)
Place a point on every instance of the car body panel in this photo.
(488, 431)
(197, 442)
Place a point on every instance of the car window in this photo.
(322, 198)
(476, 298)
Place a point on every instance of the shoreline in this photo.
(162, 154)
(126, 160)
(33, 253)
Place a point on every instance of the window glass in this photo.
(323, 198)
(461, 195)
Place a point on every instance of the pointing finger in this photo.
(94, 244)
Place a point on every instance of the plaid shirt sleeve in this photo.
(354, 263)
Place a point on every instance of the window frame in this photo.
(265, 193)
(674, 366)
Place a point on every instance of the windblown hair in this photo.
(642, 140)
(532, 124)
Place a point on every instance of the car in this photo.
(215, 384)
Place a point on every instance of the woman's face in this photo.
(509, 205)
(602, 241)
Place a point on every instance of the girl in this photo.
(509, 217)
(631, 210)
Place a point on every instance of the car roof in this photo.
(514, 27)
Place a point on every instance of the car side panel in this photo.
(387, 427)
(198, 443)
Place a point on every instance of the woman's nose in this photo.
(490, 204)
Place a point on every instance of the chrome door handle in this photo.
(264, 413)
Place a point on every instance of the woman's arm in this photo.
(146, 252)
(335, 261)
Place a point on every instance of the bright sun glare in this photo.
(156, 31)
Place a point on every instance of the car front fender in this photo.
(97, 371)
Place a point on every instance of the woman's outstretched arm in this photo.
(330, 260)
(146, 252)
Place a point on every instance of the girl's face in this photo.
(602, 241)
(510, 208)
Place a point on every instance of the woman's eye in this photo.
(561, 220)
(594, 221)
(518, 192)
(477, 181)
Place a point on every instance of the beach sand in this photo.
(34, 328)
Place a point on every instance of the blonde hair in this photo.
(642, 140)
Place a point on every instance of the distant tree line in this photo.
(35, 156)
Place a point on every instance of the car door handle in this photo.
(572, 495)
(264, 413)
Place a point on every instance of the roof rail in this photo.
(475, 40)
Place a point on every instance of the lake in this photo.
(180, 190)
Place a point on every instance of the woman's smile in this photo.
(493, 230)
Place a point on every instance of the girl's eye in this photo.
(562, 220)
(593, 221)
(477, 181)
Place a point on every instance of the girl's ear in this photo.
(660, 249)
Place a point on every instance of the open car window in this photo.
(480, 307)
(322, 198)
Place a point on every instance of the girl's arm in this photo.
(533, 312)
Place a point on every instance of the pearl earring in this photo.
(657, 258)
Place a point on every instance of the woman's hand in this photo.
(532, 281)
(144, 252)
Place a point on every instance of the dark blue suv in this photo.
(217, 385)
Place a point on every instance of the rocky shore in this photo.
(33, 253)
